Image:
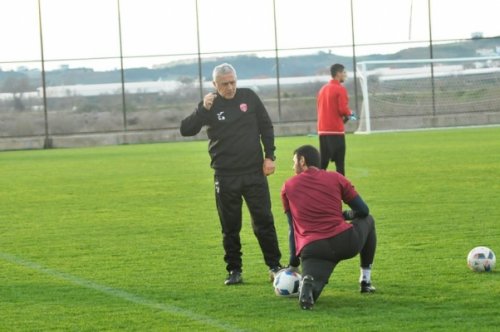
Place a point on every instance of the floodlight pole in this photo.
(432, 57)
(122, 71)
(47, 144)
(200, 72)
(276, 55)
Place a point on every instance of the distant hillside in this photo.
(307, 65)
(248, 66)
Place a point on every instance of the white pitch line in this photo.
(119, 293)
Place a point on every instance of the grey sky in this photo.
(76, 29)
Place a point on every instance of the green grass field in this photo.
(126, 238)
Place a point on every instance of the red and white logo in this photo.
(243, 107)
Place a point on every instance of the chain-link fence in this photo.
(68, 84)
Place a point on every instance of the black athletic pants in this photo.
(229, 194)
(332, 148)
(319, 258)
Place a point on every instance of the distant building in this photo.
(487, 51)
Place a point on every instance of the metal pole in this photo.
(410, 24)
(122, 71)
(277, 61)
(200, 72)
(47, 144)
(432, 57)
(354, 65)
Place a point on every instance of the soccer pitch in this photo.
(127, 238)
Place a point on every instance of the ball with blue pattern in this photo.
(286, 283)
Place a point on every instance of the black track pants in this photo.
(319, 258)
(229, 194)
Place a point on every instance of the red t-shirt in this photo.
(332, 106)
(314, 197)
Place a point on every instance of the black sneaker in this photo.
(234, 278)
(274, 271)
(366, 287)
(306, 300)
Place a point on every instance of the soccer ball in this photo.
(286, 283)
(481, 259)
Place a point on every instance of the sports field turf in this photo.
(126, 238)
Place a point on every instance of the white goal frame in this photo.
(449, 72)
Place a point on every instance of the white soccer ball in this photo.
(481, 259)
(286, 283)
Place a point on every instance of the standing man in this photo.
(323, 236)
(333, 112)
(237, 123)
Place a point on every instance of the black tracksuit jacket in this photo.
(235, 127)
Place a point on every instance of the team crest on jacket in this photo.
(243, 107)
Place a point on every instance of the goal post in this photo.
(429, 93)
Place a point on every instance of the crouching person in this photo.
(323, 234)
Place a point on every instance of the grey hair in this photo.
(223, 69)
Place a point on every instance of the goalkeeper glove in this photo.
(353, 116)
(348, 214)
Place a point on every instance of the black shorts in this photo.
(332, 148)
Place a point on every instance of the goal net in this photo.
(429, 93)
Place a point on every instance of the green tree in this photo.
(17, 85)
